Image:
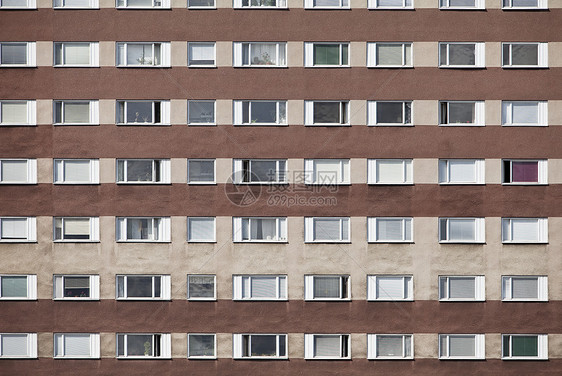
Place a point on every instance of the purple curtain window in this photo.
(525, 172)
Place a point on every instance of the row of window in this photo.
(273, 113)
(274, 346)
(274, 229)
(274, 54)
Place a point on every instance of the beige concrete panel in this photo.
(107, 111)
(358, 4)
(295, 54)
(179, 4)
(295, 345)
(224, 170)
(493, 49)
(44, 4)
(294, 168)
(179, 48)
(107, 4)
(44, 54)
(223, 4)
(358, 167)
(554, 54)
(178, 110)
(554, 258)
(426, 4)
(108, 345)
(178, 274)
(426, 171)
(107, 49)
(554, 4)
(107, 170)
(426, 112)
(493, 345)
(224, 345)
(295, 112)
(493, 4)
(493, 171)
(358, 345)
(358, 50)
(358, 112)
(426, 54)
(179, 345)
(554, 113)
(555, 171)
(44, 111)
(45, 345)
(224, 49)
(295, 4)
(179, 170)
(44, 171)
(555, 346)
(493, 112)
(426, 345)
(224, 112)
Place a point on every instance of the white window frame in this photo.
(213, 298)
(160, 224)
(372, 114)
(58, 171)
(542, 288)
(407, 283)
(59, 4)
(542, 347)
(479, 50)
(309, 348)
(214, 6)
(164, 4)
(372, 346)
(59, 286)
(309, 4)
(165, 346)
(373, 236)
(165, 287)
(214, 122)
(31, 170)
(280, 4)
(164, 112)
(542, 166)
(479, 115)
(214, 356)
(479, 347)
(94, 230)
(280, 229)
(31, 112)
(507, 114)
(542, 55)
(542, 231)
(309, 55)
(31, 47)
(309, 236)
(93, 111)
(238, 55)
(508, 5)
(93, 46)
(31, 346)
(479, 231)
(165, 171)
(31, 287)
(189, 238)
(478, 5)
(372, 53)
(123, 48)
(343, 115)
(31, 229)
(189, 44)
(310, 168)
(194, 182)
(238, 282)
(239, 113)
(406, 4)
(238, 171)
(238, 346)
(94, 345)
(479, 288)
(344, 287)
(445, 166)
(407, 166)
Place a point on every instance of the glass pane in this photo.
(14, 228)
(326, 54)
(76, 287)
(263, 287)
(524, 346)
(77, 53)
(263, 112)
(201, 171)
(327, 229)
(77, 228)
(76, 113)
(390, 288)
(201, 53)
(201, 286)
(14, 53)
(77, 345)
(461, 230)
(201, 3)
(14, 3)
(389, 54)
(462, 3)
(390, 113)
(201, 229)
(526, 230)
(389, 229)
(462, 54)
(139, 287)
(389, 346)
(139, 112)
(525, 3)
(139, 3)
(139, 170)
(263, 345)
(263, 171)
(76, 171)
(201, 345)
(326, 3)
(390, 171)
(76, 3)
(139, 345)
(390, 3)
(14, 112)
(462, 346)
(13, 171)
(327, 287)
(461, 113)
(201, 112)
(462, 171)
(462, 288)
(14, 287)
(264, 229)
(14, 345)
(263, 54)
(139, 229)
(524, 54)
(327, 346)
(327, 113)
(525, 172)
(524, 288)
(139, 54)
(525, 112)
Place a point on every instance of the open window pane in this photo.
(139, 112)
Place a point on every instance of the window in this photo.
(201, 171)
(326, 4)
(76, 4)
(390, 171)
(18, 171)
(136, 345)
(519, 171)
(389, 54)
(390, 346)
(524, 113)
(143, 287)
(327, 171)
(201, 112)
(143, 229)
(524, 346)
(390, 287)
(327, 287)
(525, 288)
(201, 229)
(16, 54)
(461, 230)
(18, 4)
(259, 287)
(201, 54)
(260, 3)
(462, 288)
(76, 229)
(201, 287)
(327, 346)
(524, 230)
(462, 4)
(259, 346)
(260, 54)
(461, 346)
(18, 345)
(76, 171)
(326, 54)
(201, 346)
(143, 54)
(77, 345)
(326, 230)
(525, 55)
(147, 171)
(143, 112)
(18, 229)
(461, 55)
(17, 112)
(326, 113)
(391, 4)
(196, 4)
(524, 4)
(391, 113)
(462, 113)
(162, 4)
(461, 171)
(76, 54)
(253, 229)
(76, 287)
(260, 112)
(18, 287)
(260, 171)
(389, 230)
(76, 112)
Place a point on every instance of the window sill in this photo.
(462, 125)
(461, 242)
(75, 241)
(262, 358)
(328, 125)
(75, 124)
(262, 183)
(521, 242)
(327, 8)
(328, 66)
(260, 8)
(16, 183)
(75, 357)
(140, 183)
(202, 66)
(202, 299)
(524, 125)
(525, 358)
(17, 241)
(328, 358)
(202, 358)
(392, 8)
(461, 67)
(17, 65)
(143, 124)
(261, 242)
(463, 8)
(460, 183)
(328, 242)
(76, 8)
(76, 299)
(391, 358)
(201, 8)
(18, 125)
(18, 299)
(346, 300)
(202, 241)
(143, 241)
(143, 8)
(462, 300)
(261, 300)
(142, 299)
(144, 66)
(76, 66)
(75, 183)
(525, 184)
(391, 242)
(202, 183)
(524, 8)
(143, 358)
(202, 124)
(397, 184)
(390, 300)
(525, 301)
(523, 67)
(262, 125)
(463, 358)
(260, 66)
(390, 125)
(390, 66)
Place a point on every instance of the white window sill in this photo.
(17, 241)
(390, 125)
(328, 8)
(525, 300)
(16, 183)
(201, 241)
(461, 8)
(328, 300)
(261, 241)
(76, 66)
(143, 357)
(524, 67)
(143, 66)
(383, 183)
(260, 66)
(522, 183)
(74, 8)
(141, 183)
(202, 357)
(76, 299)
(262, 183)
(143, 299)
(328, 242)
(461, 242)
(261, 124)
(392, 358)
(390, 242)
(201, 7)
(524, 125)
(261, 300)
(260, 7)
(526, 358)
(328, 358)
(18, 357)
(17, 125)
(328, 125)
(261, 358)
(202, 183)
(202, 299)
(17, 65)
(463, 358)
(75, 357)
(153, 8)
(461, 300)
(75, 183)
(328, 66)
(462, 67)
(461, 183)
(143, 241)
(75, 124)
(523, 8)
(76, 241)
(17, 298)
(392, 8)
(390, 66)
(462, 125)
(144, 124)
(390, 300)
(523, 242)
